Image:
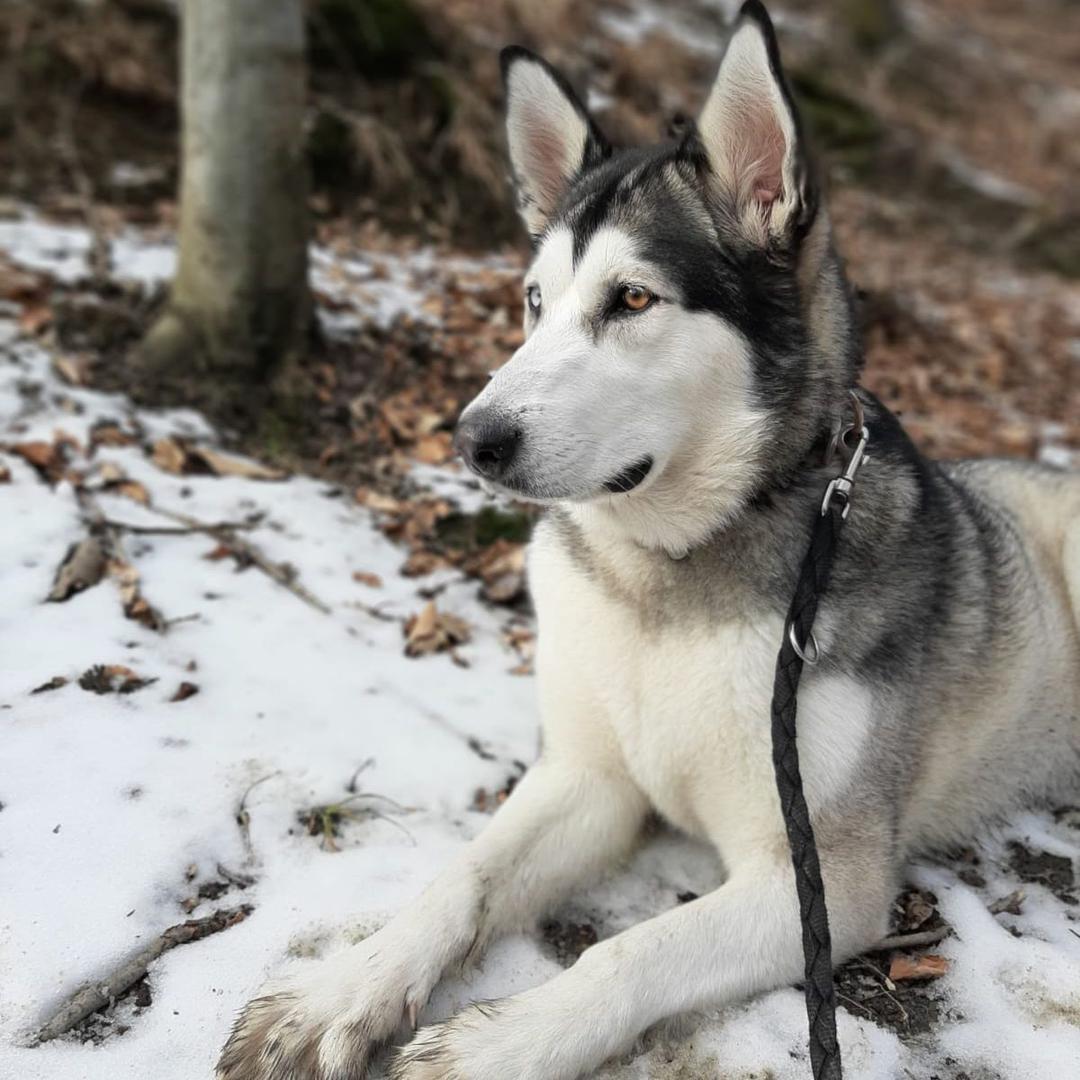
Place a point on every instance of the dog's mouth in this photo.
(630, 477)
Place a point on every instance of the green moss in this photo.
(467, 532)
(379, 38)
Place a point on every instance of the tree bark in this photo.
(239, 304)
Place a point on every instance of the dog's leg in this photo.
(742, 939)
(561, 824)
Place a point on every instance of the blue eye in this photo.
(532, 298)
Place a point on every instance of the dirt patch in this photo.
(906, 1008)
(909, 1007)
(1055, 872)
(566, 941)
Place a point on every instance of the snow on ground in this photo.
(117, 808)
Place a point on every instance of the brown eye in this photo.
(635, 298)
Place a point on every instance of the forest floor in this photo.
(265, 707)
(260, 681)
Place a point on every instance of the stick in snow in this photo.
(913, 941)
(98, 994)
(282, 573)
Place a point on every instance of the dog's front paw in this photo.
(458, 1049)
(324, 1024)
(525, 1037)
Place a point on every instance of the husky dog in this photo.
(690, 346)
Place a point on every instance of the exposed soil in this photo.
(1055, 872)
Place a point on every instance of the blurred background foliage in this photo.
(969, 110)
(948, 130)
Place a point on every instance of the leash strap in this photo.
(799, 648)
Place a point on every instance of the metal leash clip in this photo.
(842, 485)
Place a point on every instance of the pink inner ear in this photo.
(546, 151)
(765, 146)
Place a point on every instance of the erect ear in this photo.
(551, 136)
(751, 135)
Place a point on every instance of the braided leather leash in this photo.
(799, 647)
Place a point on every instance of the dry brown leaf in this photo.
(38, 453)
(184, 691)
(20, 285)
(918, 910)
(227, 465)
(111, 473)
(74, 370)
(399, 413)
(119, 671)
(136, 606)
(383, 504)
(363, 577)
(109, 433)
(132, 489)
(169, 456)
(329, 453)
(501, 567)
(34, 318)
(431, 631)
(434, 449)
(906, 968)
(421, 563)
(64, 440)
(112, 678)
(48, 458)
(5, 474)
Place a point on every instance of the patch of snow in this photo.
(360, 286)
(61, 250)
(146, 263)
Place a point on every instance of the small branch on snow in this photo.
(98, 994)
(282, 573)
(175, 530)
(913, 941)
(1005, 905)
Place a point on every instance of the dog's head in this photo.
(674, 312)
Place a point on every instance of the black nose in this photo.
(487, 444)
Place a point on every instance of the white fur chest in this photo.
(685, 705)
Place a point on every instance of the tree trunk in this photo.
(239, 304)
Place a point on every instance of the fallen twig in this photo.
(1005, 905)
(912, 941)
(100, 993)
(282, 573)
(175, 530)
